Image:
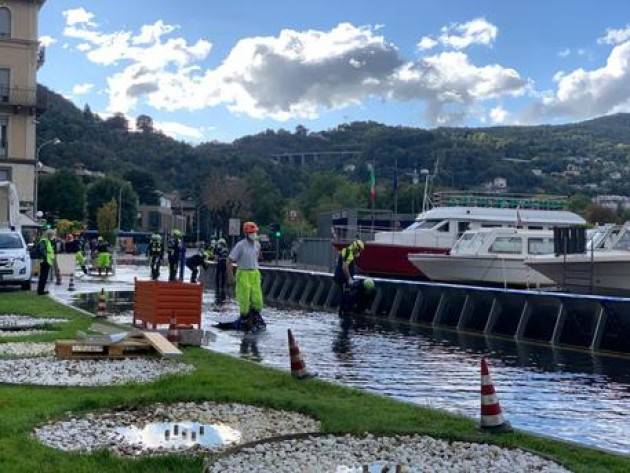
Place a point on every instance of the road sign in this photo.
(234, 227)
(293, 215)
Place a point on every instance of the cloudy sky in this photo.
(216, 70)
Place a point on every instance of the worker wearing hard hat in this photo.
(245, 255)
(344, 273)
(104, 256)
(47, 255)
(155, 252)
(175, 250)
(360, 296)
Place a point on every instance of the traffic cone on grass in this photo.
(101, 309)
(71, 284)
(491, 416)
(298, 367)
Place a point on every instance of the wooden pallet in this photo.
(161, 344)
(86, 349)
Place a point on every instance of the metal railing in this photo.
(18, 96)
(505, 201)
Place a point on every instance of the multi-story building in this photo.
(20, 57)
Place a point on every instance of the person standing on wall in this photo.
(245, 255)
(174, 251)
(155, 251)
(47, 254)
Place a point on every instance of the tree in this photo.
(267, 204)
(63, 195)
(225, 198)
(106, 218)
(107, 189)
(64, 227)
(597, 214)
(143, 184)
(118, 122)
(144, 123)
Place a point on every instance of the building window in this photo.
(5, 83)
(5, 22)
(5, 174)
(4, 137)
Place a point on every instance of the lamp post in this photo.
(54, 141)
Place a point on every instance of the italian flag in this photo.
(372, 183)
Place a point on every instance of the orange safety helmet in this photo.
(249, 227)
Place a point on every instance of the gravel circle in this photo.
(21, 333)
(19, 322)
(347, 454)
(98, 431)
(50, 371)
(26, 349)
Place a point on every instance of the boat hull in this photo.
(610, 272)
(381, 259)
(479, 270)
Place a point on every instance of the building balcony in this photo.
(32, 98)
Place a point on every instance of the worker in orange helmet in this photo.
(245, 255)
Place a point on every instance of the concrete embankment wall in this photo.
(595, 323)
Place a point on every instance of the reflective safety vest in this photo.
(47, 250)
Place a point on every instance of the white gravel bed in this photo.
(21, 333)
(102, 430)
(350, 454)
(26, 349)
(49, 371)
(121, 319)
(13, 322)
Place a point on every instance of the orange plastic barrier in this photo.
(157, 302)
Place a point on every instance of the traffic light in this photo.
(275, 230)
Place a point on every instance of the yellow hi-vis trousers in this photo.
(248, 290)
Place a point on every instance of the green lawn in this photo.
(222, 378)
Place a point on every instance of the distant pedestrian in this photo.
(221, 257)
(155, 252)
(47, 254)
(175, 252)
(104, 256)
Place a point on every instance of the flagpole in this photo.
(396, 189)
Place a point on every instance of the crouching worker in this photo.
(360, 296)
(193, 262)
(245, 255)
(344, 273)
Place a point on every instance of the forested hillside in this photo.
(588, 157)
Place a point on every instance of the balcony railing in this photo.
(26, 97)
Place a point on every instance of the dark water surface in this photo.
(560, 393)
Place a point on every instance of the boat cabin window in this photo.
(540, 246)
(464, 243)
(445, 227)
(624, 242)
(424, 224)
(507, 245)
(462, 227)
(535, 227)
(491, 225)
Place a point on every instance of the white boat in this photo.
(490, 256)
(604, 268)
(435, 231)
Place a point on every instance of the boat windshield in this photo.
(463, 244)
(423, 224)
(623, 243)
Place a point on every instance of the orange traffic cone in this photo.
(298, 367)
(491, 415)
(101, 309)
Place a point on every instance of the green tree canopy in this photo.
(143, 184)
(106, 218)
(62, 194)
(267, 203)
(107, 189)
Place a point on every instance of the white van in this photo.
(15, 260)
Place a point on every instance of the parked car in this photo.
(15, 260)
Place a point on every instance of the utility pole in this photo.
(54, 141)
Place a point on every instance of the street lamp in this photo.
(54, 141)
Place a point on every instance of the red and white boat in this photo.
(435, 231)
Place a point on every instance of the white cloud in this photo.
(83, 47)
(79, 16)
(47, 41)
(293, 74)
(427, 43)
(615, 36)
(462, 35)
(82, 89)
(498, 114)
(564, 52)
(583, 93)
(180, 131)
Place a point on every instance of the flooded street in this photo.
(560, 393)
